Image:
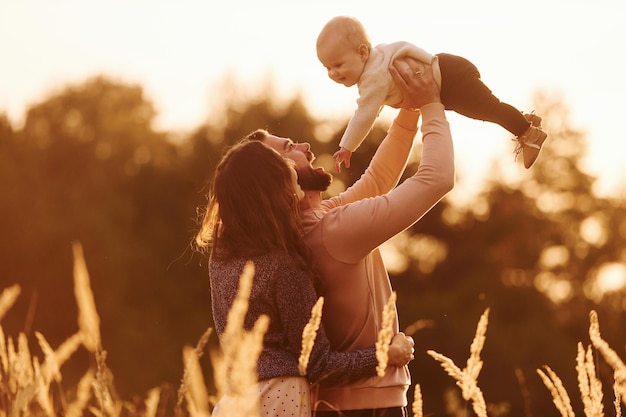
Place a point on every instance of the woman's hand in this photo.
(401, 350)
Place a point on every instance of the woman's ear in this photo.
(364, 52)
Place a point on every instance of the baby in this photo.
(344, 48)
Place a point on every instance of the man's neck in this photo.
(312, 199)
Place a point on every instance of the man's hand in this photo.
(415, 81)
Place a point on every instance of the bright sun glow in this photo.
(556, 288)
(181, 51)
(609, 278)
(593, 230)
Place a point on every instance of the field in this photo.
(32, 386)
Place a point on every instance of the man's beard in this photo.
(311, 180)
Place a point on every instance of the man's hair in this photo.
(259, 134)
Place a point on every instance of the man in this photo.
(344, 233)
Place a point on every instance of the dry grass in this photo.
(418, 402)
(384, 336)
(557, 390)
(236, 370)
(192, 387)
(309, 334)
(26, 381)
(467, 378)
(589, 385)
(7, 298)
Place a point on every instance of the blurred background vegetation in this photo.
(87, 165)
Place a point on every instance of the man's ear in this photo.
(364, 52)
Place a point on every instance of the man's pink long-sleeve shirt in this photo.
(345, 233)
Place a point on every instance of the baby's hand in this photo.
(343, 155)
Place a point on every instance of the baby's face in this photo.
(343, 62)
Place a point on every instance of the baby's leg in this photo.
(463, 91)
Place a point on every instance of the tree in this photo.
(528, 250)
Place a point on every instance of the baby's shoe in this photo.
(533, 119)
(529, 144)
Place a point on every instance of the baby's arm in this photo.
(343, 155)
(373, 89)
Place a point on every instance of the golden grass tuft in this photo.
(309, 333)
(195, 393)
(609, 355)
(88, 319)
(617, 402)
(467, 378)
(385, 334)
(7, 298)
(560, 398)
(418, 402)
(235, 371)
(588, 383)
(83, 394)
(27, 383)
(191, 360)
(418, 325)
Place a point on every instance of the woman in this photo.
(247, 220)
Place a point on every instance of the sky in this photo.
(181, 51)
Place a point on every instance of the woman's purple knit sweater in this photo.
(283, 290)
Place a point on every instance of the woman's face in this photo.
(294, 183)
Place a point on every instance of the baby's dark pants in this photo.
(463, 91)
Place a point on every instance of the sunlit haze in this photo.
(181, 51)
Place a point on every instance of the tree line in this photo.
(88, 165)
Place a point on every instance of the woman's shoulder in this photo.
(267, 263)
(279, 260)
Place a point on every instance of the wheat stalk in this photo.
(7, 298)
(235, 373)
(385, 334)
(557, 390)
(54, 359)
(195, 392)
(89, 328)
(83, 395)
(418, 325)
(309, 333)
(103, 384)
(418, 402)
(152, 402)
(24, 379)
(4, 356)
(234, 334)
(588, 383)
(199, 351)
(467, 378)
(21, 376)
(610, 356)
(88, 319)
(617, 402)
